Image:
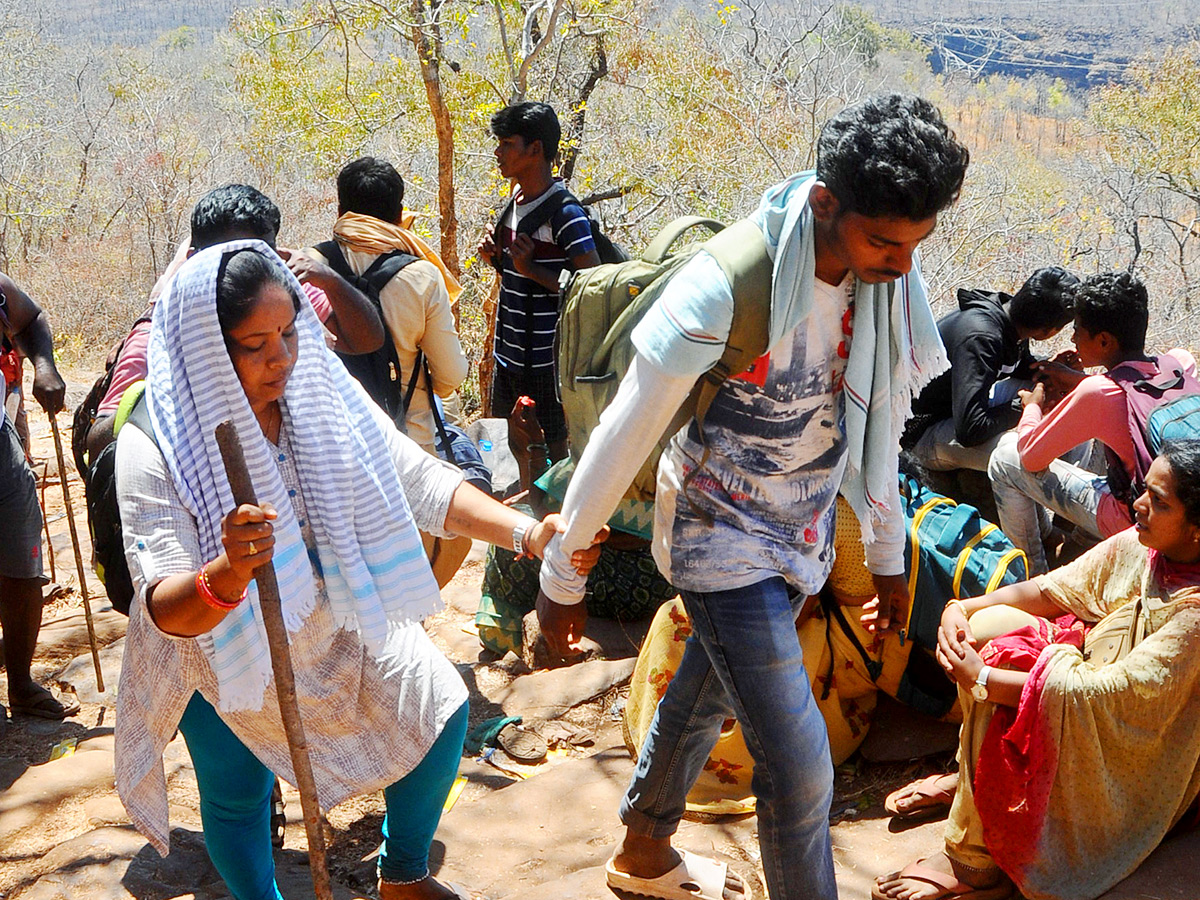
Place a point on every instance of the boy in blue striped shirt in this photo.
(542, 231)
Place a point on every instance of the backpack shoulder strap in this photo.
(834, 611)
(1168, 376)
(385, 267)
(657, 250)
(545, 210)
(382, 269)
(332, 251)
(139, 415)
(742, 254)
(505, 213)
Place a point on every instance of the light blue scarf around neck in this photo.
(895, 351)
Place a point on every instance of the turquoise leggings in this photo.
(235, 804)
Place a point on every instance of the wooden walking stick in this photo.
(87, 606)
(46, 520)
(281, 665)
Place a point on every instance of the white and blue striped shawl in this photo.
(376, 573)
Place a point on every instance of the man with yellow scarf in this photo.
(417, 301)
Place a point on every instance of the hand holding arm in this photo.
(354, 320)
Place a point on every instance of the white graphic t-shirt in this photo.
(777, 451)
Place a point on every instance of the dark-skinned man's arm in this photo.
(30, 333)
(354, 321)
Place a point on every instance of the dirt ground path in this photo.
(537, 832)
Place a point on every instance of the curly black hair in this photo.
(1183, 456)
(1044, 299)
(234, 211)
(1115, 302)
(891, 156)
(371, 187)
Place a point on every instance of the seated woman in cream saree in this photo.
(1080, 745)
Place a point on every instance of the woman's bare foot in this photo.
(991, 884)
(648, 857)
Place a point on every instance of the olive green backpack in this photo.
(599, 307)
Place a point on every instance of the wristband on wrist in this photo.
(961, 607)
(209, 596)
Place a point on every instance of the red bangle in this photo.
(204, 589)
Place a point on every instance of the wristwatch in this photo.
(979, 690)
(520, 539)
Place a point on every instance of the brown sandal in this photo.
(938, 799)
(951, 887)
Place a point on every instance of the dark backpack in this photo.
(104, 515)
(85, 413)
(1145, 396)
(379, 371)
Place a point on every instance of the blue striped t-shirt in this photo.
(565, 235)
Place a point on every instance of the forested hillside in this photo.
(668, 108)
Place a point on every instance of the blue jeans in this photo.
(1022, 497)
(744, 660)
(235, 803)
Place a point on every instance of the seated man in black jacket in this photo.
(961, 414)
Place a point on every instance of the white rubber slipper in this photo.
(695, 878)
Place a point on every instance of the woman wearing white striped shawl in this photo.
(341, 496)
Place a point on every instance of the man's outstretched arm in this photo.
(354, 321)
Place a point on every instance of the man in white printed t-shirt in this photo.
(852, 340)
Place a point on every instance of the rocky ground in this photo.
(537, 832)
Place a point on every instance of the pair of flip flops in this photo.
(695, 878)
(44, 706)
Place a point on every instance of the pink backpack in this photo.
(1143, 395)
